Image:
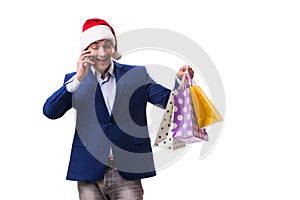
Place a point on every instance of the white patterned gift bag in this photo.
(164, 137)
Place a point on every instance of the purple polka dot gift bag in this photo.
(185, 122)
(164, 137)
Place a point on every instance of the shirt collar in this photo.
(110, 69)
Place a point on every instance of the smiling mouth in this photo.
(102, 60)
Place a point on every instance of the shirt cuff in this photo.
(178, 82)
(72, 84)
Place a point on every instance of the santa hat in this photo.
(98, 29)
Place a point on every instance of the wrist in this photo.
(79, 78)
(73, 84)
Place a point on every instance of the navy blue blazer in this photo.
(125, 130)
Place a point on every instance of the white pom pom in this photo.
(116, 55)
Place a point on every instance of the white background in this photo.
(255, 46)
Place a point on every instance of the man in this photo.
(111, 150)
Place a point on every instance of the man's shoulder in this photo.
(69, 75)
(128, 66)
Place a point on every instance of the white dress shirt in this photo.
(108, 86)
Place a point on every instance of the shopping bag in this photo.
(186, 127)
(164, 137)
(206, 112)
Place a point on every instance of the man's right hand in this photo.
(83, 65)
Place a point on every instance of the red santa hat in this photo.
(98, 29)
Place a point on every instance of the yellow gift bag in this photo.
(206, 112)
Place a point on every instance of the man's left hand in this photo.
(182, 70)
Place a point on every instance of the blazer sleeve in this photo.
(156, 93)
(59, 102)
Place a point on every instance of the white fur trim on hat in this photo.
(95, 33)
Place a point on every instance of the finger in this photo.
(191, 72)
(86, 58)
(88, 53)
(185, 67)
(90, 62)
(89, 57)
(85, 53)
(87, 63)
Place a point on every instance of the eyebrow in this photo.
(108, 41)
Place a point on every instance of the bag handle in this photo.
(186, 78)
(190, 81)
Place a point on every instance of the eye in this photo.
(107, 46)
(94, 47)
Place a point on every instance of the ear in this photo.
(116, 55)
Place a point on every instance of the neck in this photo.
(102, 69)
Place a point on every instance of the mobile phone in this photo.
(86, 59)
(90, 58)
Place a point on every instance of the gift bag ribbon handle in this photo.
(186, 78)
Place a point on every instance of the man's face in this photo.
(101, 54)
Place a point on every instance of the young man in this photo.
(111, 150)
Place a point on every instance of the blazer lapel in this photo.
(120, 72)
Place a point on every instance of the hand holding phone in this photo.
(84, 61)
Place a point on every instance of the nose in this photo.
(101, 51)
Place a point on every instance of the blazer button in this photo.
(109, 124)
